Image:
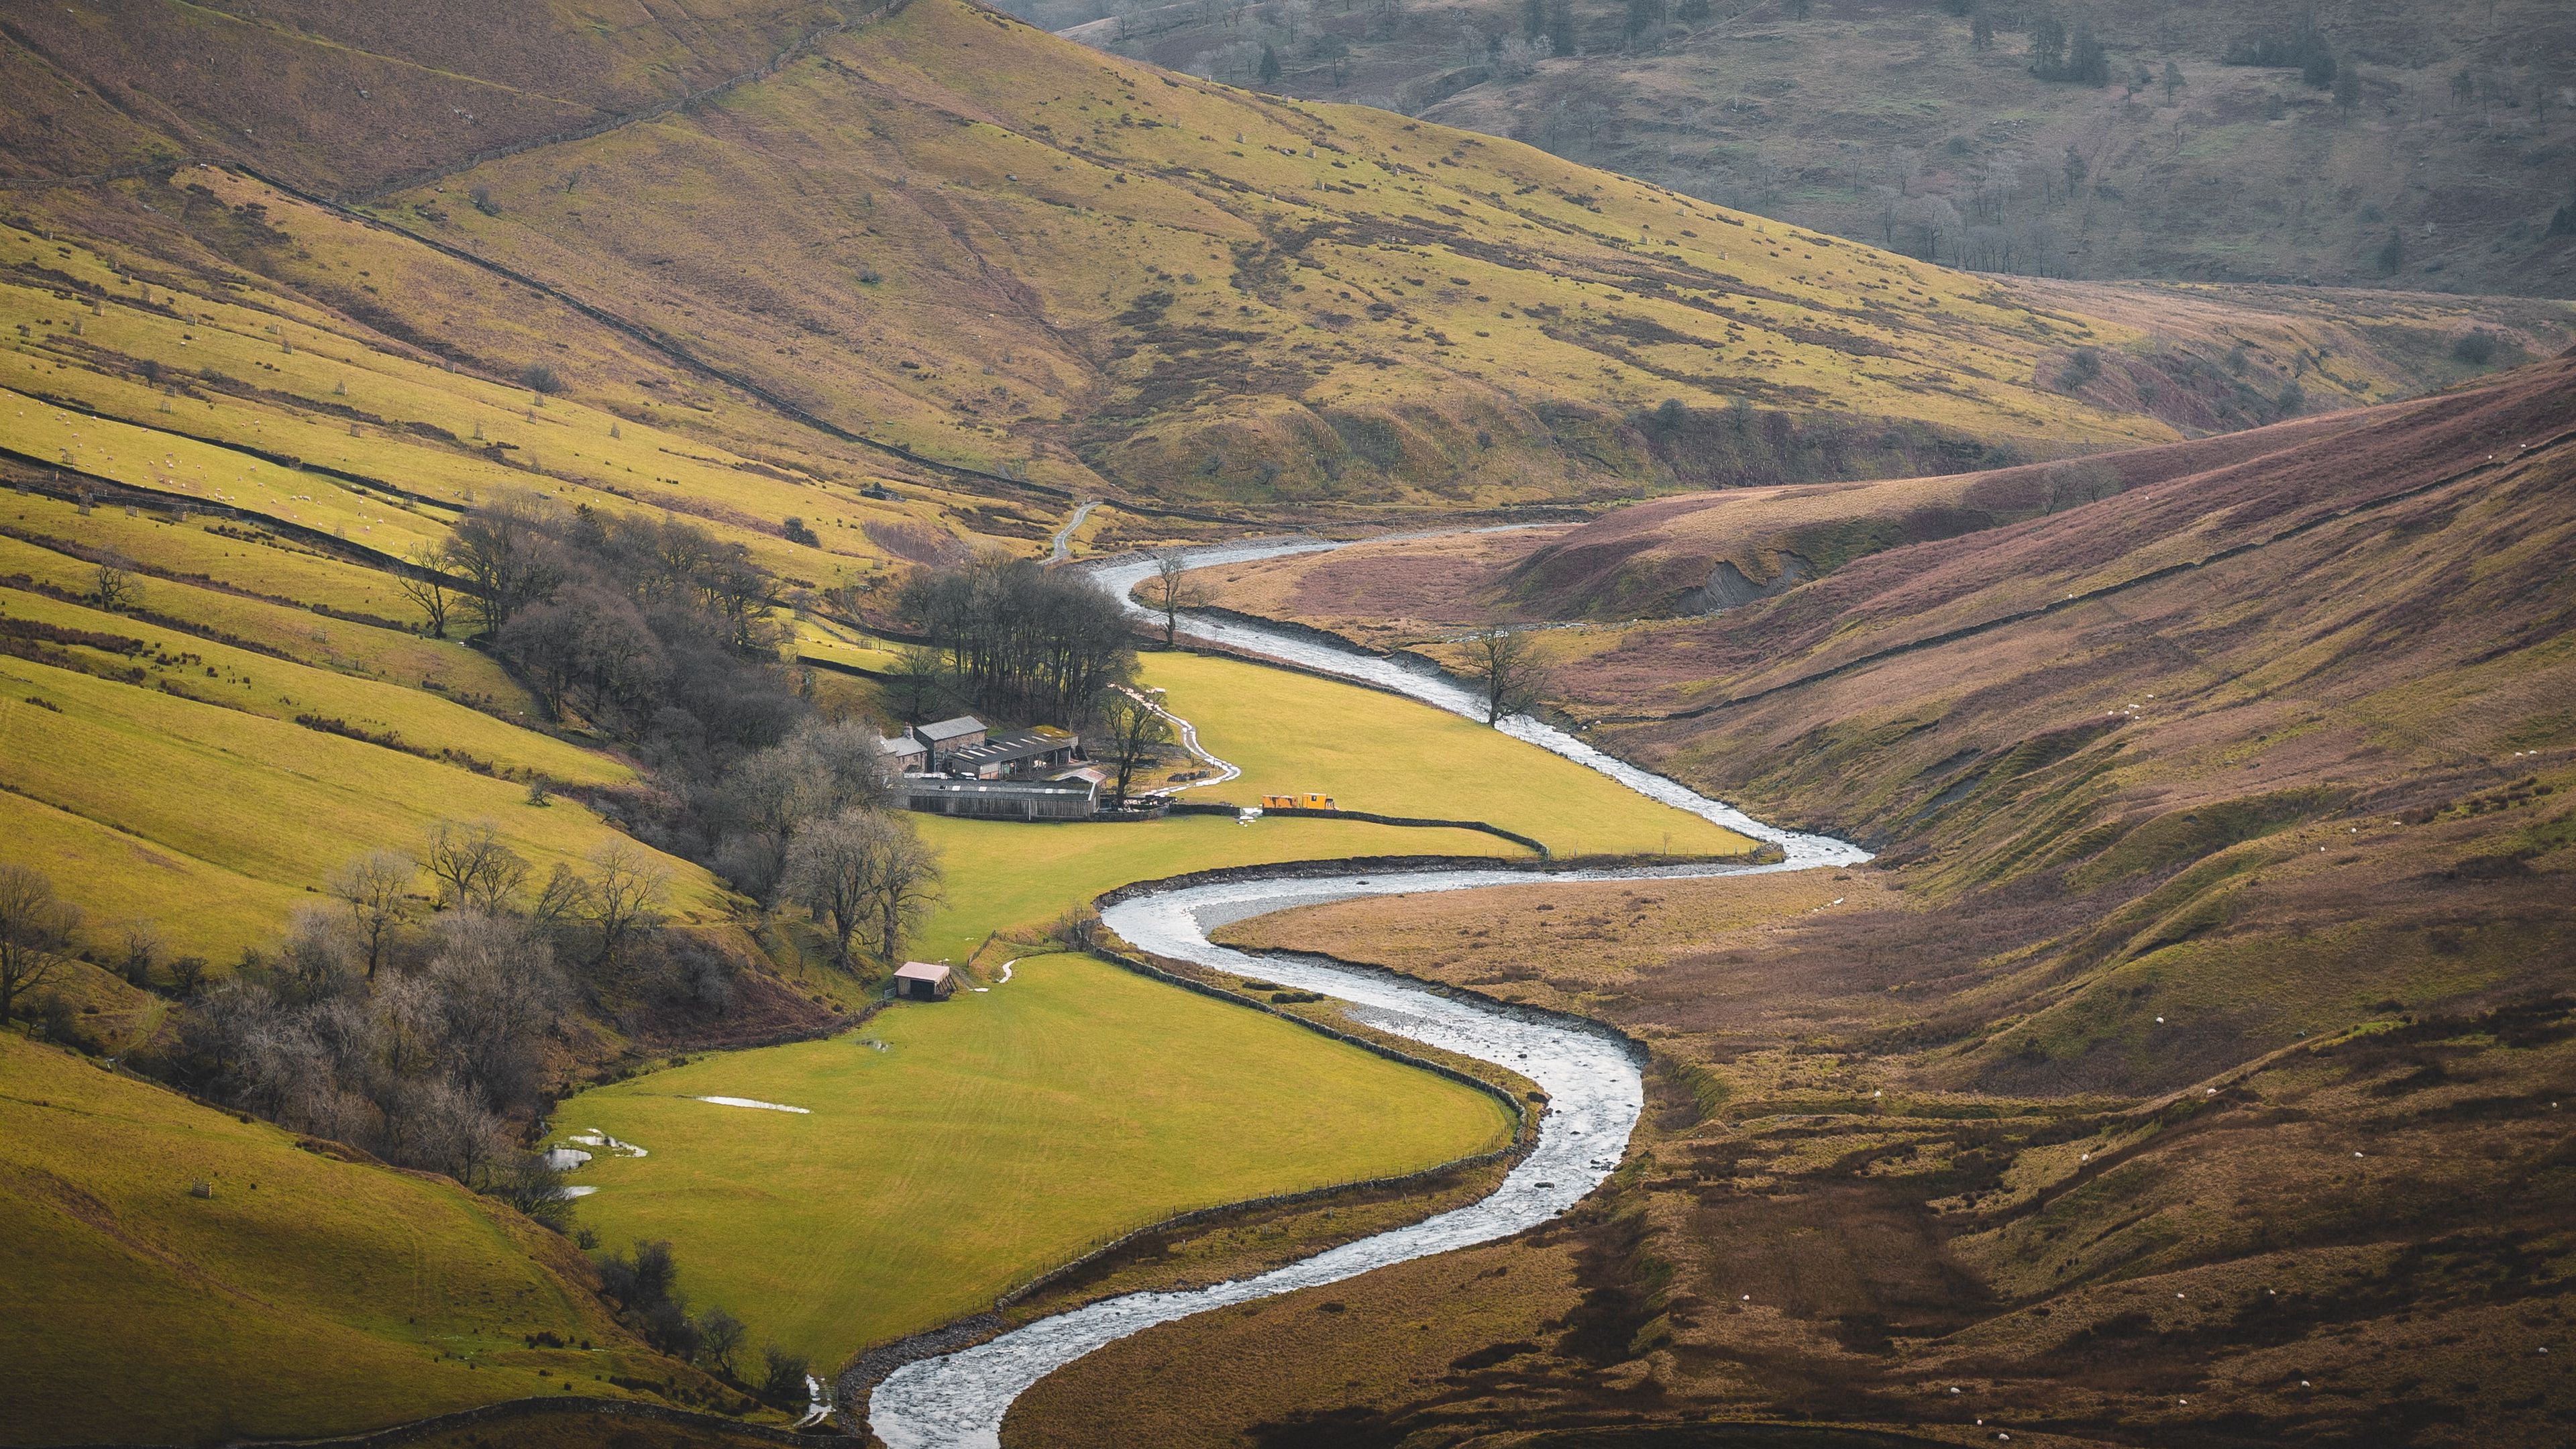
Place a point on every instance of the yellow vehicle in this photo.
(1308, 801)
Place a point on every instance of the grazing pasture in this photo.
(992, 1137)
(1393, 756)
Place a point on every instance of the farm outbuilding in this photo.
(1030, 751)
(924, 981)
(1002, 799)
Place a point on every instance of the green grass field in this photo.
(197, 793)
(306, 1296)
(1377, 752)
(999, 1134)
(1004, 876)
(239, 679)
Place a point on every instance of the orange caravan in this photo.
(1308, 801)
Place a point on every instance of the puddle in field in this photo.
(755, 1103)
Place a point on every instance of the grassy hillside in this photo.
(992, 1137)
(302, 1295)
(2187, 1065)
(1885, 122)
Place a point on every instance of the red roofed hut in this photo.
(924, 981)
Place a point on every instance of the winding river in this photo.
(1594, 1086)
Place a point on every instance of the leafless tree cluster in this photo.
(1022, 639)
(428, 1066)
(422, 1038)
(653, 631)
(819, 772)
(862, 873)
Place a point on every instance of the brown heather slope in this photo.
(2193, 1066)
(1718, 550)
(951, 232)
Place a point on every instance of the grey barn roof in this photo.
(1025, 745)
(949, 729)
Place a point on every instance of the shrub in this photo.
(2081, 368)
(797, 532)
(782, 1381)
(2477, 348)
(541, 378)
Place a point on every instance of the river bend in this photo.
(1594, 1086)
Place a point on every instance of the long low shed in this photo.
(998, 800)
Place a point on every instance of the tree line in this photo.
(1022, 640)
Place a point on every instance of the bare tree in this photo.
(139, 947)
(625, 897)
(1170, 591)
(1507, 671)
(829, 872)
(35, 933)
(863, 870)
(506, 555)
(114, 584)
(907, 884)
(376, 887)
(1137, 733)
(720, 1337)
(562, 897)
(472, 866)
(426, 586)
(498, 992)
(916, 674)
(819, 771)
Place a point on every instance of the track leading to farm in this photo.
(1593, 1081)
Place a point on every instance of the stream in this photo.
(1593, 1082)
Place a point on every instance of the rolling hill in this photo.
(2409, 145)
(943, 231)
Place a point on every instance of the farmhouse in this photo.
(909, 756)
(1003, 799)
(924, 981)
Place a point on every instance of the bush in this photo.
(783, 1378)
(2476, 348)
(2081, 368)
(526, 1181)
(541, 378)
(797, 532)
